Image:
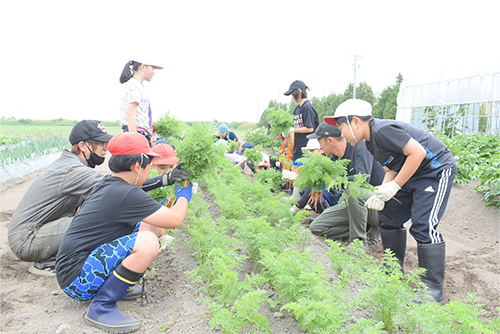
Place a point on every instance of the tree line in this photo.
(384, 106)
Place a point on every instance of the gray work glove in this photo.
(176, 175)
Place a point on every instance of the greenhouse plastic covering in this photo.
(457, 84)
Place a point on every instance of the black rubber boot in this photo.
(395, 240)
(103, 312)
(432, 258)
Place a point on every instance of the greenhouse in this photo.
(461, 99)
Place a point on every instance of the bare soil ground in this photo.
(36, 304)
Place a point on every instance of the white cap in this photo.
(351, 107)
(313, 144)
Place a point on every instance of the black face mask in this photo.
(94, 159)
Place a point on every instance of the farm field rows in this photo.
(242, 263)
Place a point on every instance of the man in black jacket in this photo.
(349, 219)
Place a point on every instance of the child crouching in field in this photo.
(103, 254)
(167, 159)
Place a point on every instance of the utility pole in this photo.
(355, 66)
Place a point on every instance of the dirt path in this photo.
(35, 304)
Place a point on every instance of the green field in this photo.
(22, 140)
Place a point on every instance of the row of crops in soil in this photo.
(362, 295)
(477, 156)
(24, 142)
(347, 292)
(251, 226)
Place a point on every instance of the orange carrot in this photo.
(169, 202)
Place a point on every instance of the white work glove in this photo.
(165, 240)
(375, 203)
(387, 190)
(291, 130)
(289, 175)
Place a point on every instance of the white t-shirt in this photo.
(134, 91)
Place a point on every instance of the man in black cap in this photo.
(46, 210)
(349, 219)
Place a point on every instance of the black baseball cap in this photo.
(325, 130)
(296, 85)
(89, 130)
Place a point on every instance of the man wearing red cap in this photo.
(105, 251)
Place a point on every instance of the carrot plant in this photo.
(232, 147)
(363, 297)
(254, 155)
(198, 153)
(271, 177)
(317, 172)
(169, 127)
(281, 122)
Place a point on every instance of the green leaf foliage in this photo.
(319, 171)
(254, 154)
(198, 153)
(258, 137)
(161, 193)
(281, 122)
(386, 106)
(170, 127)
(232, 147)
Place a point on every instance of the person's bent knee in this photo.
(147, 252)
(317, 229)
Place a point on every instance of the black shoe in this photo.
(373, 235)
(38, 269)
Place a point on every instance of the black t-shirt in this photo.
(111, 211)
(388, 137)
(362, 162)
(305, 117)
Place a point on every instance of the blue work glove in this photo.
(186, 192)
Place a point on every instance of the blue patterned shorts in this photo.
(99, 265)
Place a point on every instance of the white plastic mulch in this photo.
(21, 168)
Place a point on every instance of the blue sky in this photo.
(225, 60)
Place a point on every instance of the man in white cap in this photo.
(419, 174)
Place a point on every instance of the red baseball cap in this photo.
(130, 143)
(167, 155)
